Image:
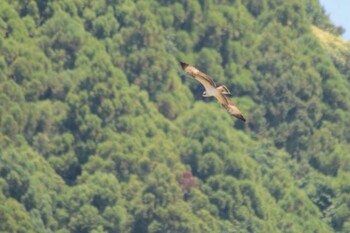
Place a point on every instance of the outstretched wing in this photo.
(208, 83)
(201, 77)
(227, 103)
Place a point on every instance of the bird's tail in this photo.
(224, 90)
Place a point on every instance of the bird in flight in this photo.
(220, 93)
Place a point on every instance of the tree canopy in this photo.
(101, 131)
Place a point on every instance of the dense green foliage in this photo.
(101, 131)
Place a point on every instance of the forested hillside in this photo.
(102, 131)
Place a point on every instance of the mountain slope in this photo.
(101, 131)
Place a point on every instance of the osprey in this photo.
(220, 92)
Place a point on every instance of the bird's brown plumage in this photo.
(221, 92)
(201, 77)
